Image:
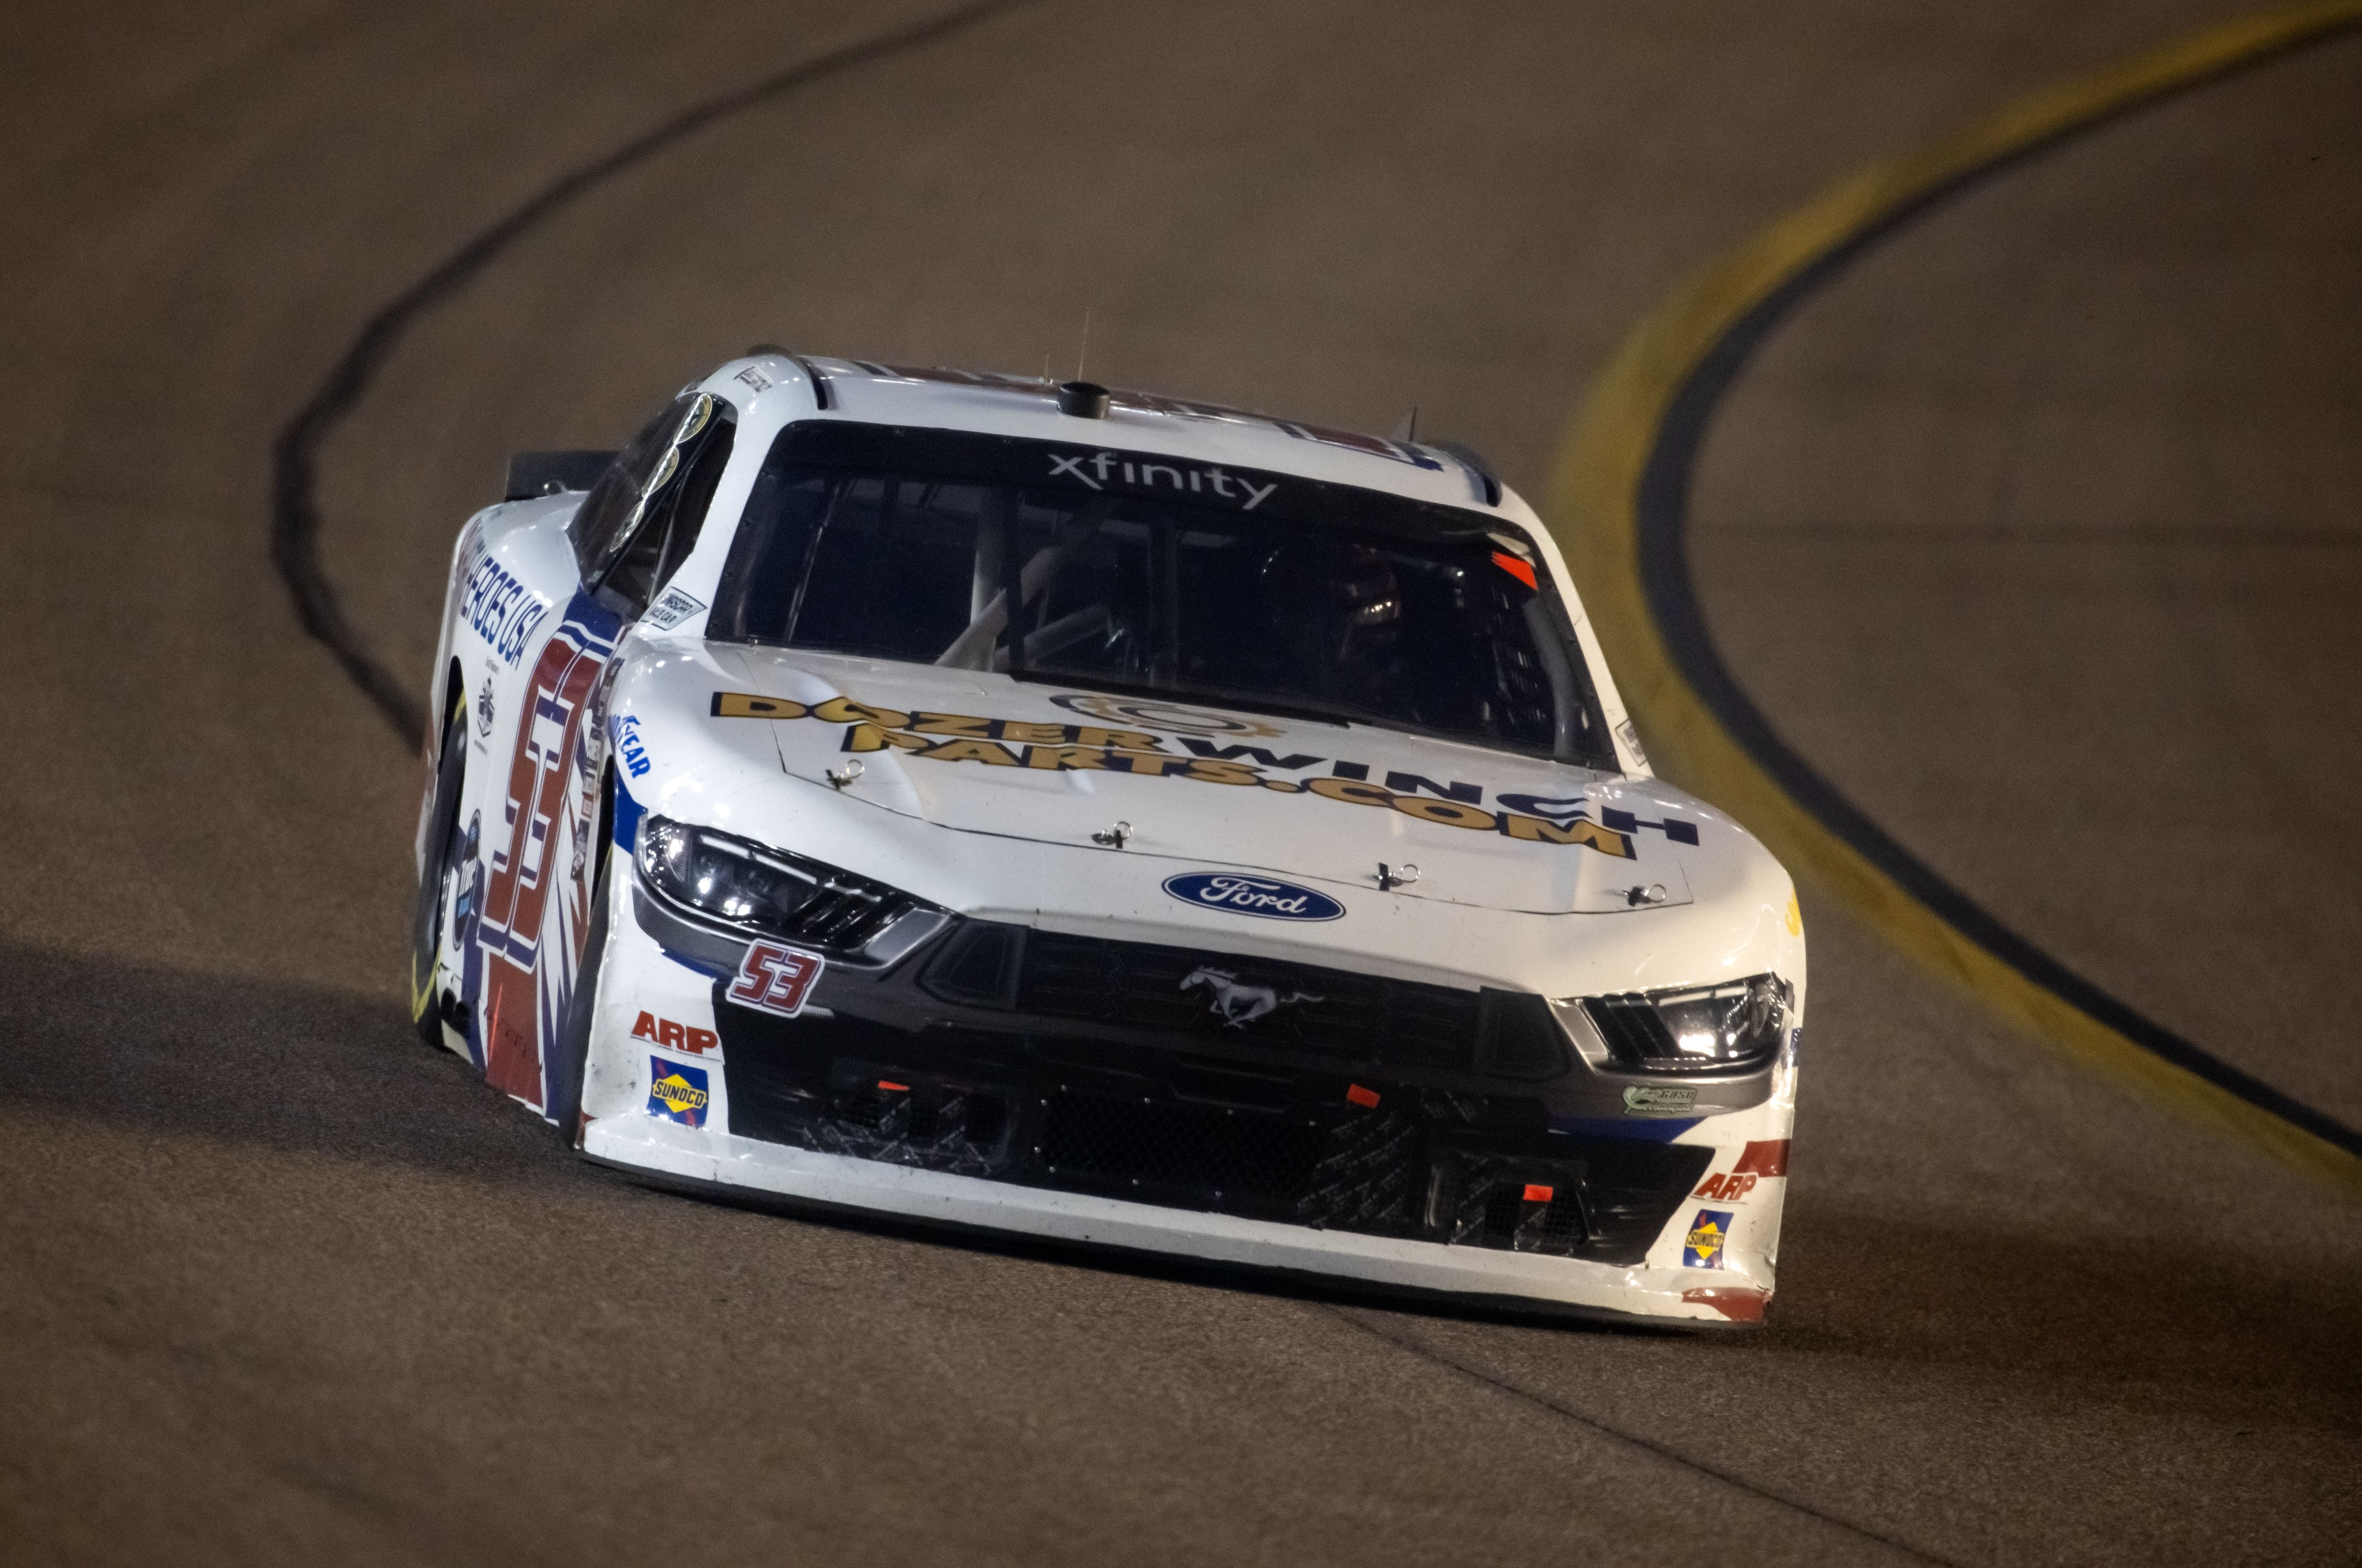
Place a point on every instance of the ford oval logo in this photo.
(1235, 895)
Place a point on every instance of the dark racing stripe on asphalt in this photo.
(1359, 1318)
(1750, 298)
(295, 509)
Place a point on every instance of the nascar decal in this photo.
(523, 996)
(1017, 743)
(1708, 1240)
(677, 1092)
(632, 752)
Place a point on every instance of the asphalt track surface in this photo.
(2036, 530)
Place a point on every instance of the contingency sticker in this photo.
(671, 609)
(1709, 1239)
(674, 1035)
(1649, 1100)
(677, 1092)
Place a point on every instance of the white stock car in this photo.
(1106, 818)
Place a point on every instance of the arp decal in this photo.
(677, 1092)
(501, 610)
(671, 609)
(1656, 1099)
(1235, 895)
(629, 747)
(674, 1036)
(776, 977)
(1069, 747)
(1708, 1241)
(1731, 1189)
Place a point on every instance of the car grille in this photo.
(1301, 1008)
(1175, 1129)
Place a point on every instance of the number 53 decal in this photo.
(775, 979)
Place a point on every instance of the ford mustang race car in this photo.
(1106, 818)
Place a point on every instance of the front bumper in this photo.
(707, 1158)
(893, 1096)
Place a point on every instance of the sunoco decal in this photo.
(1234, 894)
(1709, 1237)
(1017, 744)
(677, 1092)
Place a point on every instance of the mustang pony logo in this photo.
(1239, 1006)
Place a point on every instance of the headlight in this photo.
(742, 883)
(1708, 1028)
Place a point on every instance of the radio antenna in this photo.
(1083, 348)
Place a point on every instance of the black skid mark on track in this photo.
(1662, 512)
(1593, 1423)
(295, 510)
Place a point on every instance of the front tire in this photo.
(434, 878)
(568, 1067)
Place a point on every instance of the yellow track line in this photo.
(1594, 511)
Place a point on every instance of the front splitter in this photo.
(705, 1158)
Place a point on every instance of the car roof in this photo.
(999, 404)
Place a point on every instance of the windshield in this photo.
(1115, 569)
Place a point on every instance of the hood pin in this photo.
(839, 777)
(1390, 878)
(1114, 838)
(1654, 892)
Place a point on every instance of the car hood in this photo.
(1202, 786)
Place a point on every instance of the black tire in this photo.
(568, 1063)
(426, 930)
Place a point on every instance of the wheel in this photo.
(434, 877)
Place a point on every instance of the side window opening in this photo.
(613, 501)
(653, 502)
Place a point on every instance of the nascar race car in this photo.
(1102, 818)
